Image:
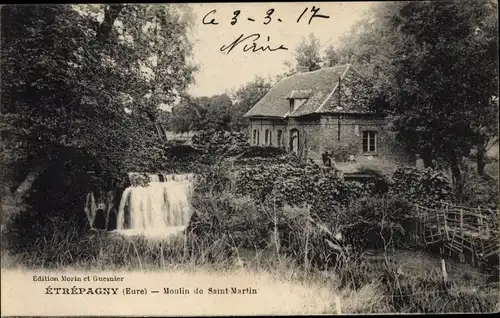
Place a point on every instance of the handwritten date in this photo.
(269, 16)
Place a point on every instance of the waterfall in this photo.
(161, 208)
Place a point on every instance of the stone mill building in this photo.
(326, 111)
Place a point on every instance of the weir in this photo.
(158, 208)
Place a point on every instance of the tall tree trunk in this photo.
(457, 174)
(111, 12)
(481, 161)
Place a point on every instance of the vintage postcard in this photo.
(215, 159)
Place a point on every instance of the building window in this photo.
(294, 141)
(279, 138)
(369, 141)
(268, 137)
(255, 137)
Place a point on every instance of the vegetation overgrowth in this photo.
(265, 218)
(88, 117)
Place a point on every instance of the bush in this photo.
(216, 144)
(426, 187)
(478, 191)
(243, 222)
(378, 222)
(299, 185)
(300, 235)
(215, 178)
(240, 221)
(290, 158)
(263, 152)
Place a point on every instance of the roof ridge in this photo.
(348, 66)
(323, 69)
(318, 82)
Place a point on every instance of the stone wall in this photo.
(344, 134)
(333, 132)
(261, 125)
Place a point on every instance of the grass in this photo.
(218, 256)
(380, 287)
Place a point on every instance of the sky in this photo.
(220, 72)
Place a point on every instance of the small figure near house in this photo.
(351, 158)
(327, 161)
(324, 157)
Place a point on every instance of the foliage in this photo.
(239, 218)
(219, 112)
(378, 222)
(289, 158)
(478, 191)
(217, 144)
(182, 159)
(356, 94)
(434, 66)
(245, 98)
(297, 185)
(331, 57)
(307, 53)
(341, 153)
(71, 83)
(263, 152)
(426, 187)
(201, 113)
(295, 227)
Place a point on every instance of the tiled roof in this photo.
(320, 83)
(304, 93)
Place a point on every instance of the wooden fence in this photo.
(461, 231)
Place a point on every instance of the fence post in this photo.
(462, 232)
(306, 248)
(443, 268)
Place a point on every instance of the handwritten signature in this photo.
(253, 47)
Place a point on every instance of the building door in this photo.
(294, 141)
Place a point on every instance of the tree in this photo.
(245, 98)
(331, 57)
(201, 113)
(307, 53)
(72, 80)
(435, 64)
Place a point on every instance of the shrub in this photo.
(290, 158)
(300, 235)
(263, 152)
(216, 178)
(238, 220)
(478, 191)
(426, 187)
(217, 144)
(243, 222)
(378, 222)
(296, 185)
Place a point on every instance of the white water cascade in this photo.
(159, 209)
